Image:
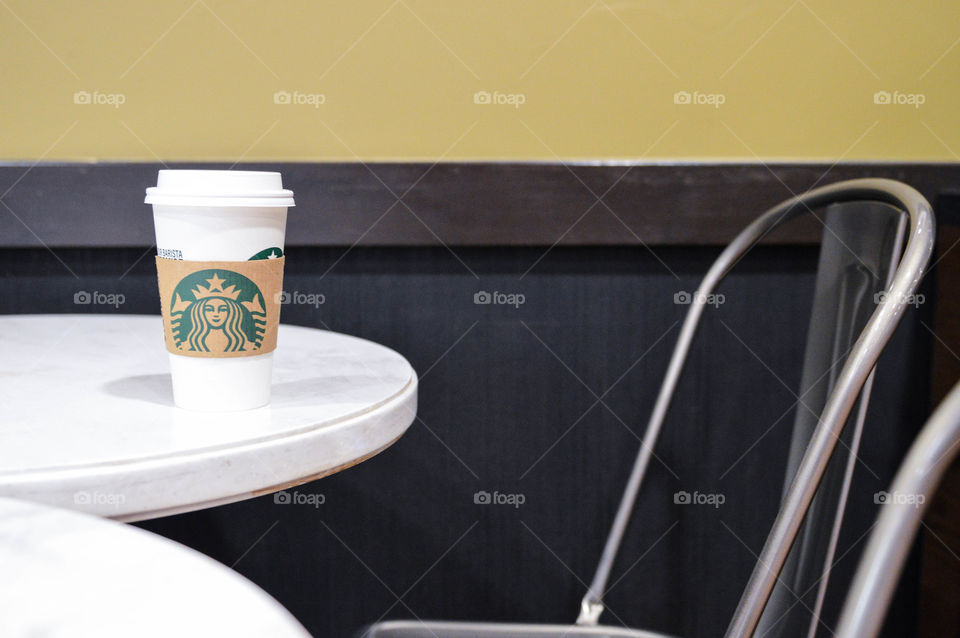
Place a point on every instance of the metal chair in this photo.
(864, 230)
(890, 542)
(860, 250)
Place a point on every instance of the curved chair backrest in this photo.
(815, 442)
(856, 370)
(882, 561)
(862, 243)
(859, 364)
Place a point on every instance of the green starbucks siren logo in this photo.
(217, 310)
(268, 253)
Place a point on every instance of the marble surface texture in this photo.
(88, 421)
(72, 575)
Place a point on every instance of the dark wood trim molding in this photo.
(458, 204)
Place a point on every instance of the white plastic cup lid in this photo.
(219, 188)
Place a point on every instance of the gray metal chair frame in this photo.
(861, 248)
(890, 542)
(802, 490)
(858, 367)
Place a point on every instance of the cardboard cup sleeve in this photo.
(217, 309)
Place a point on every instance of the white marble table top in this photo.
(67, 574)
(87, 419)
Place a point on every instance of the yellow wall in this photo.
(198, 79)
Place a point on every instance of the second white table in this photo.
(67, 575)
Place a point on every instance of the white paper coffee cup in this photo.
(204, 215)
